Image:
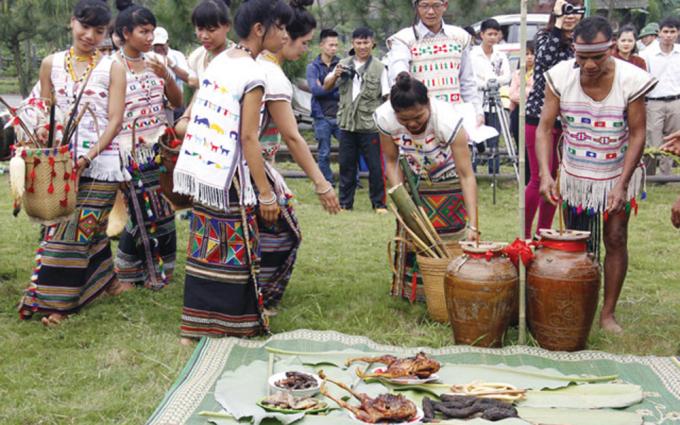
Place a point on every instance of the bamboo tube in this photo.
(559, 201)
(405, 205)
(415, 237)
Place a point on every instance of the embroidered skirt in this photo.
(147, 247)
(279, 243)
(443, 202)
(220, 294)
(74, 262)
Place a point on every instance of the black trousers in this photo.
(351, 145)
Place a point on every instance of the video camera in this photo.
(570, 9)
(348, 72)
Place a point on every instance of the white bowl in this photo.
(307, 392)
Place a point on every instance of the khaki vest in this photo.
(357, 115)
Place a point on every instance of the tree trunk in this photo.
(15, 47)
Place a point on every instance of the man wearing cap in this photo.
(663, 103)
(437, 54)
(175, 61)
(601, 103)
(647, 36)
(362, 83)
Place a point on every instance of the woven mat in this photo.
(193, 391)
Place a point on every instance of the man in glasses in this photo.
(437, 54)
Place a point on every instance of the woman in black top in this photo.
(553, 45)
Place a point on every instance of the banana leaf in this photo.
(579, 416)
(590, 396)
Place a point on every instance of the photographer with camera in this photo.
(554, 44)
(492, 71)
(362, 81)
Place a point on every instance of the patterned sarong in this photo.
(220, 297)
(444, 205)
(146, 254)
(73, 261)
(279, 243)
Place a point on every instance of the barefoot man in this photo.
(601, 103)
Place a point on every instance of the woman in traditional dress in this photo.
(625, 48)
(429, 135)
(212, 22)
(219, 156)
(280, 240)
(553, 45)
(74, 261)
(147, 246)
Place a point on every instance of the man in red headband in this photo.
(601, 103)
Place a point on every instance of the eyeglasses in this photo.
(424, 7)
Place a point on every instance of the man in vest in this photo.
(437, 54)
(362, 82)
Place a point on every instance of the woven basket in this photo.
(50, 195)
(169, 160)
(432, 271)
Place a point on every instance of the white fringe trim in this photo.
(185, 184)
(593, 193)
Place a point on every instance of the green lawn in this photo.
(112, 363)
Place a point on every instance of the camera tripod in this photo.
(499, 118)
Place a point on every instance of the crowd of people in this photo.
(593, 103)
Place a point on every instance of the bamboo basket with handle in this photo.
(169, 155)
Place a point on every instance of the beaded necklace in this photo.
(269, 56)
(143, 83)
(244, 48)
(92, 60)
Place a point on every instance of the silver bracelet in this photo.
(323, 192)
(268, 202)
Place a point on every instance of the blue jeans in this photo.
(324, 128)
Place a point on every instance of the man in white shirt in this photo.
(362, 83)
(436, 54)
(663, 103)
(176, 63)
(490, 64)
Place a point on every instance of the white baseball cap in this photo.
(160, 36)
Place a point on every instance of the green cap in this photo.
(651, 28)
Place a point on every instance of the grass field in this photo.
(112, 363)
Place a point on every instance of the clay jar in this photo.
(563, 283)
(481, 288)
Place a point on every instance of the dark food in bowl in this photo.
(297, 381)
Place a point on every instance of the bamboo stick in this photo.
(522, 160)
(431, 239)
(559, 200)
(23, 126)
(415, 237)
(434, 231)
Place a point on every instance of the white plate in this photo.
(307, 392)
(406, 381)
(417, 420)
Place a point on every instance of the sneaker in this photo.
(380, 211)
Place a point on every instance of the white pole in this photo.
(522, 160)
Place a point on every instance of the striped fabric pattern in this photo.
(146, 254)
(73, 262)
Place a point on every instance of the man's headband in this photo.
(592, 47)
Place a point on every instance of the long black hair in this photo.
(303, 21)
(265, 12)
(210, 14)
(94, 13)
(132, 16)
(408, 92)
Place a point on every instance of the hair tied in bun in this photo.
(404, 81)
(301, 4)
(121, 5)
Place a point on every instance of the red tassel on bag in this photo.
(63, 203)
(50, 189)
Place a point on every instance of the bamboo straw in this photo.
(428, 234)
(439, 240)
(415, 237)
(477, 224)
(559, 200)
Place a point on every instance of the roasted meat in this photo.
(297, 381)
(465, 407)
(420, 366)
(384, 408)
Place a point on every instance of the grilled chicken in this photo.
(420, 366)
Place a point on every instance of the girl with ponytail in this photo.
(427, 138)
(147, 246)
(74, 263)
(280, 241)
(221, 167)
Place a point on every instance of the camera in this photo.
(348, 72)
(570, 9)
